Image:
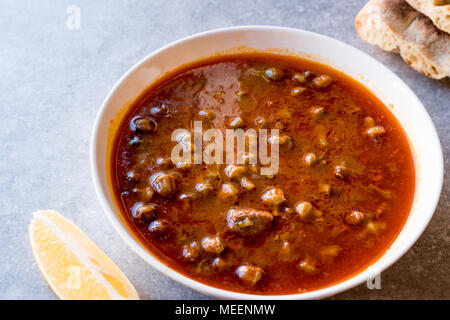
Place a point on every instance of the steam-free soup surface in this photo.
(343, 191)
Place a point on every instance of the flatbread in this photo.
(395, 26)
(437, 10)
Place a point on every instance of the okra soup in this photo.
(262, 174)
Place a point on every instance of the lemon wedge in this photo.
(72, 264)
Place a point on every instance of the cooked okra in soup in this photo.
(341, 192)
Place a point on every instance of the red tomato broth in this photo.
(212, 84)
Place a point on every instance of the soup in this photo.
(342, 192)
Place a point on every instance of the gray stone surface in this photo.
(53, 80)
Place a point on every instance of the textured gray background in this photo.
(53, 80)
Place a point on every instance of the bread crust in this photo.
(395, 26)
(439, 14)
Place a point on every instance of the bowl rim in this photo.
(206, 289)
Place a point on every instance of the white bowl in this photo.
(381, 81)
